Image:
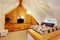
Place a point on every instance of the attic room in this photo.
(29, 20)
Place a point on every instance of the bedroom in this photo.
(32, 12)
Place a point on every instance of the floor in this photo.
(19, 35)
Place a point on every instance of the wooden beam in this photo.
(35, 35)
(53, 35)
(20, 4)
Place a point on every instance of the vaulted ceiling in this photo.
(55, 8)
(40, 9)
(8, 5)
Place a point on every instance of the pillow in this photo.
(47, 24)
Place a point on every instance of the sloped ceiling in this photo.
(55, 7)
(8, 5)
(40, 9)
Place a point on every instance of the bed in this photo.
(51, 36)
(40, 35)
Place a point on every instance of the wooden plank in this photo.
(35, 35)
(52, 35)
(48, 36)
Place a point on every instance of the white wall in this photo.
(1, 18)
(5, 7)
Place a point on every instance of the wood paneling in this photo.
(20, 3)
(13, 25)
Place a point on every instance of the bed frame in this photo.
(50, 36)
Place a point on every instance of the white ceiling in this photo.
(55, 7)
(40, 9)
(8, 5)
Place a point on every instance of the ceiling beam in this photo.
(20, 3)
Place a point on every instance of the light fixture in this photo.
(28, 12)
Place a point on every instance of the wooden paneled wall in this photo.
(13, 25)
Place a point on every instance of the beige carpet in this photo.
(19, 35)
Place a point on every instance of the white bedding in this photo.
(43, 29)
